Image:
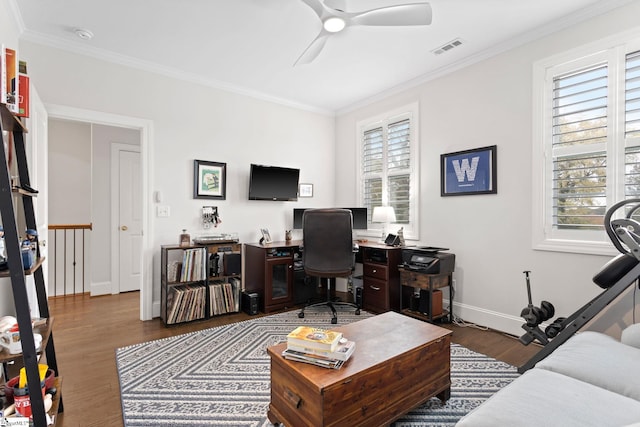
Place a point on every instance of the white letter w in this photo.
(463, 168)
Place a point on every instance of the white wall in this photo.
(69, 172)
(194, 122)
(485, 104)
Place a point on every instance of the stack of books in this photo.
(328, 349)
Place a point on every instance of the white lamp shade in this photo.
(384, 214)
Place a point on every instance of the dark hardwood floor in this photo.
(87, 330)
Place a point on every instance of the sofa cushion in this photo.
(598, 359)
(541, 398)
(631, 335)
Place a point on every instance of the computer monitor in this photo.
(359, 216)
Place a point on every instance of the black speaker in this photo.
(359, 297)
(250, 303)
(426, 306)
(232, 263)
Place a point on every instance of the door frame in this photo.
(146, 148)
(115, 148)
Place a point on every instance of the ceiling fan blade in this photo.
(313, 50)
(340, 5)
(316, 5)
(405, 14)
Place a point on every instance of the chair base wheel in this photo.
(334, 320)
(358, 312)
(301, 315)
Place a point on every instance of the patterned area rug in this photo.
(220, 376)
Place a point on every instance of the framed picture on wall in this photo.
(469, 172)
(305, 190)
(210, 180)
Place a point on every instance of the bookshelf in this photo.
(199, 281)
(10, 200)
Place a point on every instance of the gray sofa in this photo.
(591, 380)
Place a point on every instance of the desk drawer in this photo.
(377, 271)
(422, 280)
(375, 295)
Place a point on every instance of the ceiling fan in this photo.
(335, 18)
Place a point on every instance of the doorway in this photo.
(101, 206)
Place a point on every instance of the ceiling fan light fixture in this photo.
(334, 24)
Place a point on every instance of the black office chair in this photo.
(328, 251)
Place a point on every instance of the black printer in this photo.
(428, 259)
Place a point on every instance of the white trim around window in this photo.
(609, 53)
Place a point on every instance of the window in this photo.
(587, 139)
(387, 158)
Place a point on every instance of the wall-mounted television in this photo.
(273, 183)
(359, 216)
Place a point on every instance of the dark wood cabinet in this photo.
(269, 272)
(278, 289)
(380, 277)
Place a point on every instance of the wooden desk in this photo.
(269, 272)
(399, 363)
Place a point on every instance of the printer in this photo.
(428, 259)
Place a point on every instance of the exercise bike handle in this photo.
(526, 275)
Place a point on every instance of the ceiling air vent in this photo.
(447, 47)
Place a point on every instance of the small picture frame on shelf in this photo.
(210, 180)
(266, 236)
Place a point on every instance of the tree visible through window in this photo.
(591, 141)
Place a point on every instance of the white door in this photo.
(130, 218)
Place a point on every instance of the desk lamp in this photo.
(385, 215)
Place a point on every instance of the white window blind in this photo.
(632, 95)
(388, 174)
(579, 138)
(589, 158)
(399, 169)
(632, 126)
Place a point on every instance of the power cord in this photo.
(457, 320)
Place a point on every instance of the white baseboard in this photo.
(155, 310)
(491, 319)
(103, 288)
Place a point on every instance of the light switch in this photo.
(163, 211)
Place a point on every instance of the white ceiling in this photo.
(249, 46)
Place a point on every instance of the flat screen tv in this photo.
(273, 183)
(359, 216)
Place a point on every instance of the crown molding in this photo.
(543, 31)
(127, 61)
(16, 15)
(104, 55)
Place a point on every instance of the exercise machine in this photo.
(534, 316)
(614, 278)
